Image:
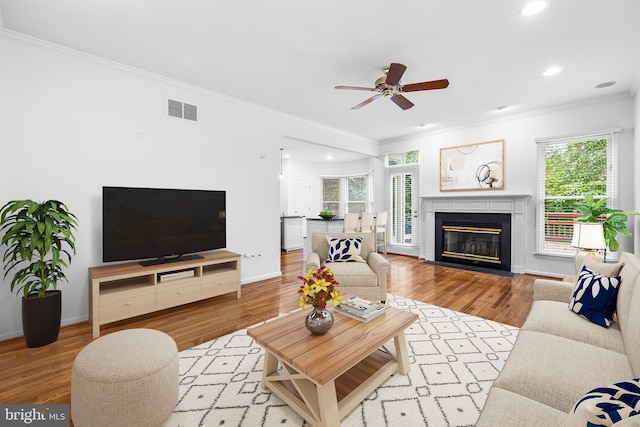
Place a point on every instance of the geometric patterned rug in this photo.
(454, 360)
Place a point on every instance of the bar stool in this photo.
(366, 222)
(350, 223)
(381, 227)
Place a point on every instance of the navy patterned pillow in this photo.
(595, 297)
(344, 250)
(605, 406)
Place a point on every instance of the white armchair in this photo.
(366, 279)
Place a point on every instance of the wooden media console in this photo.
(122, 291)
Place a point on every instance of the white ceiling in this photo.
(288, 55)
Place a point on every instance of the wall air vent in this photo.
(182, 110)
(190, 112)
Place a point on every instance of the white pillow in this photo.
(603, 268)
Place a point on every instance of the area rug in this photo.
(454, 360)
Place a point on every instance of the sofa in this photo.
(561, 360)
(363, 273)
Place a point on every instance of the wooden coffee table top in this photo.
(325, 357)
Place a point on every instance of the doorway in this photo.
(403, 235)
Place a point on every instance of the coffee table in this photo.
(324, 377)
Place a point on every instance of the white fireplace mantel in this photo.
(513, 204)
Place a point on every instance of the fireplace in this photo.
(478, 240)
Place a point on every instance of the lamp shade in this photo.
(588, 235)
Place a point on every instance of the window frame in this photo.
(612, 188)
(403, 166)
(325, 202)
(403, 159)
(343, 203)
(396, 223)
(348, 201)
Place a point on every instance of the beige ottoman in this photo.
(127, 378)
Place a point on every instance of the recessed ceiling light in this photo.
(605, 84)
(534, 7)
(502, 107)
(425, 125)
(329, 157)
(551, 71)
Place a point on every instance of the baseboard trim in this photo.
(267, 276)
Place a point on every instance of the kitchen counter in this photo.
(336, 218)
(321, 225)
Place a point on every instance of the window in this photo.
(357, 194)
(395, 159)
(570, 168)
(352, 194)
(331, 194)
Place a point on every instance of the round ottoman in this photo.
(127, 378)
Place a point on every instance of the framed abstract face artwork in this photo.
(472, 167)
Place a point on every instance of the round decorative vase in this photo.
(319, 321)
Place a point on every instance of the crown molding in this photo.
(17, 37)
(511, 117)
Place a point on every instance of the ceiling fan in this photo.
(389, 86)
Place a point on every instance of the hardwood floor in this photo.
(43, 375)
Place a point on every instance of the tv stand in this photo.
(167, 260)
(122, 291)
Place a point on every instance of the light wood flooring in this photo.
(43, 375)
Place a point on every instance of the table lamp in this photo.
(588, 237)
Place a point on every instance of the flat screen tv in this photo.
(158, 225)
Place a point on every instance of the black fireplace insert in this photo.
(480, 240)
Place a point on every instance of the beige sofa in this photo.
(559, 356)
(363, 279)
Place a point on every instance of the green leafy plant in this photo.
(613, 221)
(38, 237)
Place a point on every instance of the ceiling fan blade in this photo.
(402, 102)
(435, 84)
(356, 88)
(367, 101)
(395, 73)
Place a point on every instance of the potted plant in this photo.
(613, 221)
(38, 239)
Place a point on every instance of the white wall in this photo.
(297, 170)
(519, 133)
(636, 180)
(69, 126)
(314, 171)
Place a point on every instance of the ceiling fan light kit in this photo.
(389, 86)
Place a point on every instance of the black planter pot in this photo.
(41, 318)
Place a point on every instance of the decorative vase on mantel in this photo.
(319, 320)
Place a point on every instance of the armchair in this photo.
(365, 279)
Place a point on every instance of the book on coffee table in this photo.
(371, 314)
(359, 305)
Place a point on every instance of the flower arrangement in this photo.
(319, 288)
